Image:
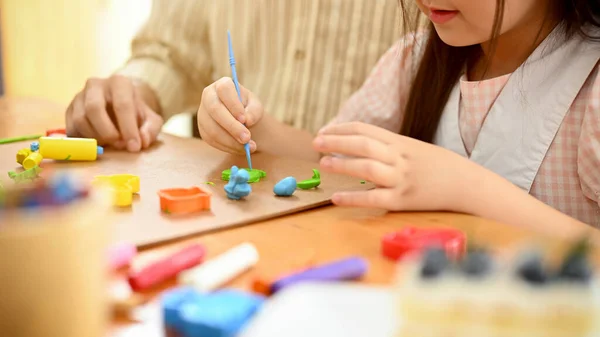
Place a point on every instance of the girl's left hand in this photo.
(410, 175)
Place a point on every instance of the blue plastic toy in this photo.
(285, 187)
(172, 301)
(219, 314)
(238, 186)
(34, 146)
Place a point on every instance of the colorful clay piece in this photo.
(285, 187)
(313, 182)
(184, 200)
(27, 175)
(56, 132)
(210, 183)
(123, 187)
(35, 146)
(33, 159)
(255, 175)
(22, 154)
(121, 254)
(220, 314)
(238, 186)
(18, 139)
(363, 182)
(166, 268)
(341, 270)
(414, 240)
(78, 149)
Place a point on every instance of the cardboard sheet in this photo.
(176, 162)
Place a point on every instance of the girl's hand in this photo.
(409, 174)
(221, 116)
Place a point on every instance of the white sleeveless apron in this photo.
(526, 116)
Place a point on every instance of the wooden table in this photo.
(293, 241)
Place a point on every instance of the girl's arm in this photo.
(277, 138)
(490, 196)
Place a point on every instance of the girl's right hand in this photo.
(221, 116)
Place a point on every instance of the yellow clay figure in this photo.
(33, 159)
(22, 154)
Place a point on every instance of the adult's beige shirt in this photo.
(303, 58)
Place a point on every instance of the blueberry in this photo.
(531, 269)
(477, 263)
(435, 262)
(575, 268)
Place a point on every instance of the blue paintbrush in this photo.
(237, 88)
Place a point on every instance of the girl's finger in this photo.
(355, 146)
(358, 128)
(382, 198)
(218, 137)
(367, 169)
(226, 92)
(223, 117)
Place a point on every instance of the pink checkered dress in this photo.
(569, 177)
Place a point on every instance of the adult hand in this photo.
(114, 112)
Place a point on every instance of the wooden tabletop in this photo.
(292, 241)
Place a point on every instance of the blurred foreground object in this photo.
(53, 236)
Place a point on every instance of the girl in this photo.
(493, 110)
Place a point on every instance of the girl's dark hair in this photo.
(441, 65)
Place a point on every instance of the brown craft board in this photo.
(178, 162)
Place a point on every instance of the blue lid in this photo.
(100, 150)
(34, 146)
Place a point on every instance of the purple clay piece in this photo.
(341, 270)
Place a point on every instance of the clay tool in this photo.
(166, 268)
(237, 88)
(223, 268)
(341, 270)
(19, 139)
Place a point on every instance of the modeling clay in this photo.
(184, 200)
(27, 175)
(414, 240)
(210, 183)
(286, 187)
(363, 182)
(255, 175)
(56, 132)
(221, 269)
(33, 159)
(22, 154)
(18, 139)
(238, 186)
(166, 268)
(220, 314)
(341, 270)
(123, 187)
(78, 149)
(34, 146)
(315, 181)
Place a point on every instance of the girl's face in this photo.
(470, 22)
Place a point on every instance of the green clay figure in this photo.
(28, 175)
(314, 182)
(255, 175)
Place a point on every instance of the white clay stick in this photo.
(221, 269)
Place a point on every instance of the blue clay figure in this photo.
(238, 186)
(34, 146)
(285, 187)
